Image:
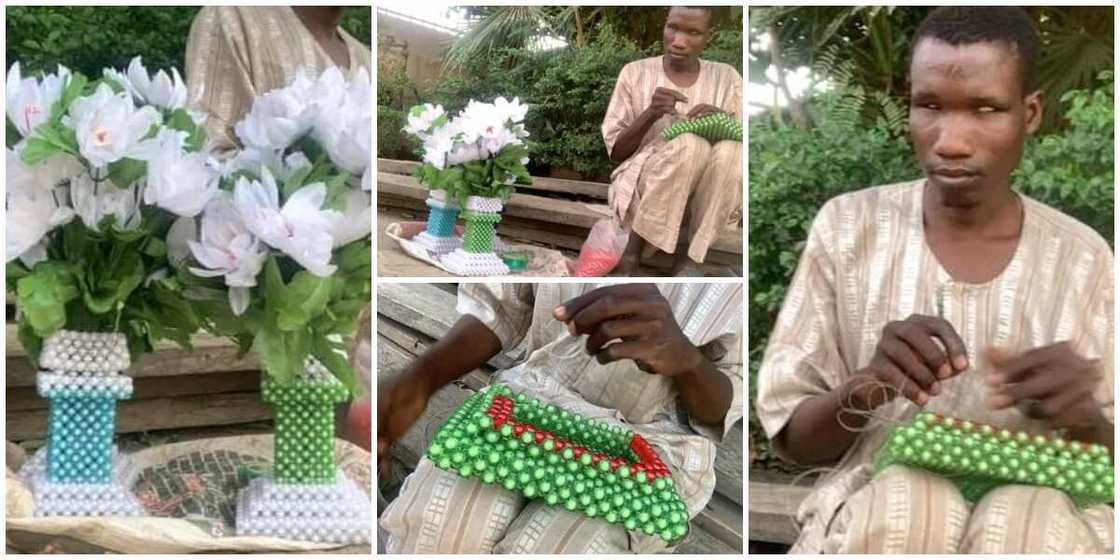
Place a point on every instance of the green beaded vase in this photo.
(979, 457)
(713, 128)
(562, 459)
(304, 441)
(478, 237)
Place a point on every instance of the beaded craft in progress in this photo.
(563, 459)
(713, 128)
(979, 457)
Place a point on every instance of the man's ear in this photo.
(1033, 103)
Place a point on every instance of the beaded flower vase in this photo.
(979, 457)
(439, 237)
(563, 459)
(307, 497)
(80, 472)
(713, 128)
(477, 256)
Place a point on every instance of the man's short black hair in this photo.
(706, 9)
(968, 25)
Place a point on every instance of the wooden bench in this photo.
(555, 212)
(410, 317)
(774, 500)
(172, 388)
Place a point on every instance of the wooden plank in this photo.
(552, 210)
(724, 519)
(549, 184)
(211, 354)
(157, 414)
(729, 464)
(700, 541)
(27, 398)
(773, 507)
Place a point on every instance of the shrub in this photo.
(89, 38)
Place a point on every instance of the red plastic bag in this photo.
(603, 249)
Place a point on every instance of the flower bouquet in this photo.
(97, 171)
(470, 163)
(279, 261)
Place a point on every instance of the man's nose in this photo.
(954, 138)
(679, 41)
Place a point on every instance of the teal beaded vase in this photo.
(307, 497)
(79, 472)
(979, 457)
(562, 459)
(477, 256)
(439, 236)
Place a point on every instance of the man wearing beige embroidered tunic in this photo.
(236, 53)
(675, 378)
(961, 297)
(660, 184)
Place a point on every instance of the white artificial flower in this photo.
(182, 183)
(93, 200)
(439, 145)
(367, 180)
(227, 248)
(421, 119)
(29, 100)
(279, 117)
(163, 91)
(514, 111)
(344, 119)
(301, 229)
(354, 222)
(108, 126)
(179, 236)
(34, 207)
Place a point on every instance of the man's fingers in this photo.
(948, 336)
(903, 357)
(1054, 357)
(565, 311)
(903, 384)
(625, 329)
(925, 348)
(619, 351)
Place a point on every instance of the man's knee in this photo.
(690, 148)
(905, 511)
(544, 529)
(441, 512)
(728, 153)
(1018, 519)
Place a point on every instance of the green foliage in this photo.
(1073, 170)
(90, 38)
(793, 172)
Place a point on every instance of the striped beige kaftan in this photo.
(440, 512)
(658, 183)
(866, 263)
(235, 53)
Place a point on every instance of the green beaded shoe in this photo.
(548, 454)
(713, 128)
(979, 457)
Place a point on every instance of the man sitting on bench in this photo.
(675, 378)
(659, 185)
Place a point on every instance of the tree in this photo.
(867, 47)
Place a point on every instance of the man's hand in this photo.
(909, 359)
(702, 110)
(639, 316)
(665, 101)
(1051, 383)
(399, 403)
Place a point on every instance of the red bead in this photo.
(538, 437)
(578, 451)
(519, 429)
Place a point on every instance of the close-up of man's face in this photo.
(687, 32)
(969, 116)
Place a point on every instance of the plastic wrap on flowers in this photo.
(79, 472)
(979, 457)
(563, 459)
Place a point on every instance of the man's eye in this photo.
(988, 109)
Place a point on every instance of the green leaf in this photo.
(32, 343)
(43, 295)
(282, 353)
(305, 298)
(74, 86)
(335, 360)
(124, 172)
(37, 150)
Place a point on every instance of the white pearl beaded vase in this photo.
(80, 472)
